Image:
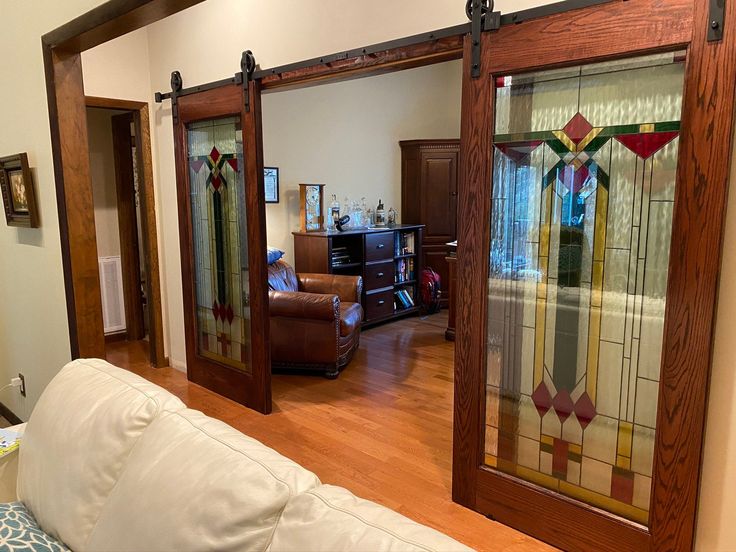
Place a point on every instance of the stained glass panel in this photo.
(583, 190)
(220, 242)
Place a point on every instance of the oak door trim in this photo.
(122, 145)
(68, 128)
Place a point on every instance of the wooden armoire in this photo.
(429, 176)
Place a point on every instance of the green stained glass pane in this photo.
(220, 246)
(583, 187)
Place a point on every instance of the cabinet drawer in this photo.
(379, 246)
(378, 275)
(379, 304)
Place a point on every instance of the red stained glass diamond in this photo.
(585, 410)
(562, 403)
(542, 399)
(577, 128)
(216, 310)
(214, 155)
(228, 314)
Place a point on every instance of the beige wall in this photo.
(32, 308)
(34, 335)
(102, 173)
(346, 136)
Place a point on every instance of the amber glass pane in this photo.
(583, 189)
(220, 245)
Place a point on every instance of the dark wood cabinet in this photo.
(429, 175)
(388, 259)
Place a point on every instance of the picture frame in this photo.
(16, 185)
(271, 184)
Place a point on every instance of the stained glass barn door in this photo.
(584, 181)
(588, 153)
(223, 245)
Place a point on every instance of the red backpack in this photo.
(431, 290)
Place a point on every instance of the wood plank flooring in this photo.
(383, 429)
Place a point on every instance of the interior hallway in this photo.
(383, 429)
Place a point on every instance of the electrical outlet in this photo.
(22, 384)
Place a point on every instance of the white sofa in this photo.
(112, 462)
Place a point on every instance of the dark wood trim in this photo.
(122, 145)
(149, 238)
(643, 26)
(65, 96)
(705, 147)
(114, 103)
(116, 337)
(395, 59)
(111, 20)
(66, 261)
(255, 197)
(68, 121)
(472, 232)
(254, 389)
(9, 415)
(706, 142)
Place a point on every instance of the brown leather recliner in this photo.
(315, 319)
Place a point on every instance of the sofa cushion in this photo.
(204, 485)
(351, 315)
(19, 531)
(77, 441)
(331, 518)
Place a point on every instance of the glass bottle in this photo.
(380, 215)
(334, 211)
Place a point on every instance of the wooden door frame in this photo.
(68, 125)
(640, 26)
(140, 116)
(225, 380)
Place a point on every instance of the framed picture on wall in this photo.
(271, 182)
(16, 185)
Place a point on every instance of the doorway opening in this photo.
(120, 157)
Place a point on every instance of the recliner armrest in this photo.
(297, 304)
(348, 288)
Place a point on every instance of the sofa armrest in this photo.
(297, 304)
(348, 288)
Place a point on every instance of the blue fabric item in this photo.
(19, 532)
(273, 254)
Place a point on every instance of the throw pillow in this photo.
(273, 254)
(20, 532)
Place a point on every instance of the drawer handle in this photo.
(380, 246)
(379, 275)
(381, 302)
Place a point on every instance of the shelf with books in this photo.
(404, 269)
(404, 242)
(404, 298)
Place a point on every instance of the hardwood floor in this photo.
(383, 429)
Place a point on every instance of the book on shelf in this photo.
(405, 300)
(404, 243)
(404, 270)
